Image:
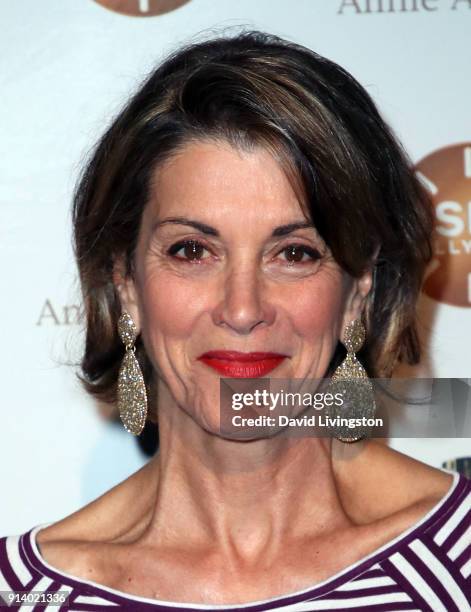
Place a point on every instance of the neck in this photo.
(247, 498)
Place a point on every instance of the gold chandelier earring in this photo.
(132, 396)
(351, 380)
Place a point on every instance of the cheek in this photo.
(170, 306)
(317, 308)
(316, 314)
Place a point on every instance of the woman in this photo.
(249, 214)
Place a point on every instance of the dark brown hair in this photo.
(253, 89)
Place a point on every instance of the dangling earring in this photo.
(351, 379)
(132, 396)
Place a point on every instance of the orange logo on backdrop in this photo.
(142, 8)
(447, 175)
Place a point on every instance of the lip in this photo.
(235, 364)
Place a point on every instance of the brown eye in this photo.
(297, 253)
(192, 250)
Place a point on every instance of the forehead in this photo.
(217, 179)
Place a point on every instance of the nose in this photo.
(244, 304)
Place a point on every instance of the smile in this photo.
(242, 365)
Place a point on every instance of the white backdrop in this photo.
(67, 67)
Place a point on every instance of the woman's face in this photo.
(227, 261)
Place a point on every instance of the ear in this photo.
(358, 293)
(126, 288)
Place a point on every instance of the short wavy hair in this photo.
(352, 175)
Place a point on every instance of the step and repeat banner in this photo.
(67, 66)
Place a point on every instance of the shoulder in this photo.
(18, 569)
(376, 482)
(107, 517)
(434, 559)
(450, 528)
(24, 574)
(74, 544)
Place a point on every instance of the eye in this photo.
(192, 250)
(300, 253)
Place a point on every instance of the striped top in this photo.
(425, 568)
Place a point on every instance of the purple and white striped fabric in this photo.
(426, 568)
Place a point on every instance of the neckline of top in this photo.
(341, 577)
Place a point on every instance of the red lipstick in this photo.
(242, 365)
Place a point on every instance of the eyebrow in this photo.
(281, 230)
